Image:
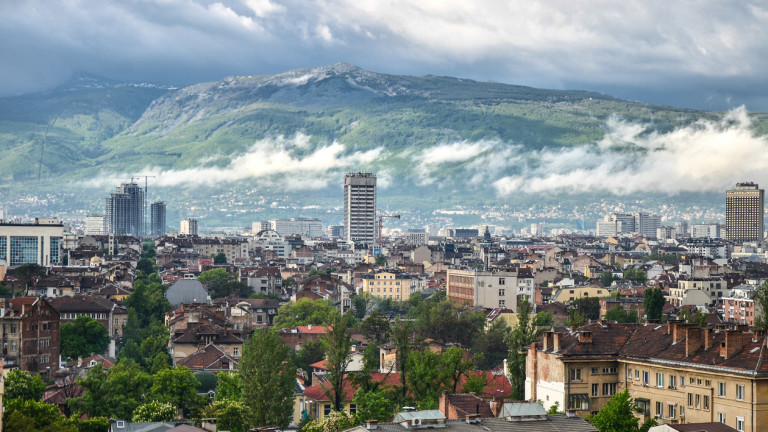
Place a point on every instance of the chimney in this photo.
(443, 403)
(472, 418)
(208, 424)
(309, 327)
(741, 327)
(585, 337)
(709, 335)
(556, 341)
(547, 340)
(732, 345)
(671, 324)
(757, 335)
(678, 330)
(372, 424)
(496, 405)
(692, 340)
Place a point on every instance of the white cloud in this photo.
(704, 156)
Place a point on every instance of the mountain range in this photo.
(303, 129)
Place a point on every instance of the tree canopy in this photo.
(305, 312)
(83, 337)
(617, 415)
(21, 385)
(521, 337)
(654, 303)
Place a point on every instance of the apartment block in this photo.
(487, 289)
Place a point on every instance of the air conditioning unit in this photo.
(416, 422)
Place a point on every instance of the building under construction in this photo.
(157, 219)
(124, 213)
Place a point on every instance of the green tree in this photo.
(376, 328)
(654, 303)
(311, 352)
(222, 284)
(697, 317)
(475, 383)
(82, 337)
(20, 384)
(336, 421)
(220, 258)
(268, 379)
(231, 415)
(30, 415)
(402, 339)
(116, 395)
(229, 386)
(154, 411)
(338, 346)
(761, 307)
(617, 415)
(445, 321)
(177, 386)
(146, 265)
(373, 405)
(544, 319)
(618, 314)
(305, 312)
(519, 340)
(27, 272)
(606, 278)
(381, 260)
(426, 379)
(362, 304)
(587, 306)
(455, 364)
(490, 348)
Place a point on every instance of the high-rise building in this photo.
(38, 242)
(157, 219)
(94, 225)
(744, 212)
(360, 208)
(309, 227)
(646, 224)
(125, 211)
(188, 227)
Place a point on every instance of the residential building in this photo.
(124, 213)
(740, 307)
(715, 289)
(487, 289)
(302, 226)
(30, 337)
(744, 207)
(157, 219)
(360, 208)
(38, 242)
(705, 231)
(568, 294)
(393, 284)
(676, 372)
(188, 227)
(94, 225)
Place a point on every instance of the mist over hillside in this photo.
(434, 142)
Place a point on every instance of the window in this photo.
(698, 381)
(721, 389)
(660, 409)
(706, 402)
(501, 293)
(326, 409)
(502, 281)
(698, 401)
(740, 424)
(707, 383)
(690, 399)
(646, 378)
(595, 371)
(682, 381)
(609, 389)
(235, 351)
(693, 381)
(637, 374)
(739, 392)
(609, 370)
(578, 401)
(352, 409)
(672, 381)
(721, 417)
(502, 303)
(574, 374)
(629, 373)
(659, 380)
(672, 411)
(594, 389)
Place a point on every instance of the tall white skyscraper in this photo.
(360, 208)
(188, 227)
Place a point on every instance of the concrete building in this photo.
(124, 213)
(744, 207)
(705, 231)
(678, 373)
(416, 238)
(646, 224)
(38, 242)
(360, 208)
(30, 337)
(257, 227)
(309, 227)
(488, 289)
(94, 225)
(157, 219)
(188, 227)
(393, 284)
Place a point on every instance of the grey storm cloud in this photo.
(696, 53)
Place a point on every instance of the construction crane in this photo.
(381, 223)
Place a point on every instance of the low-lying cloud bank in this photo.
(705, 156)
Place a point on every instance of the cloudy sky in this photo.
(704, 53)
